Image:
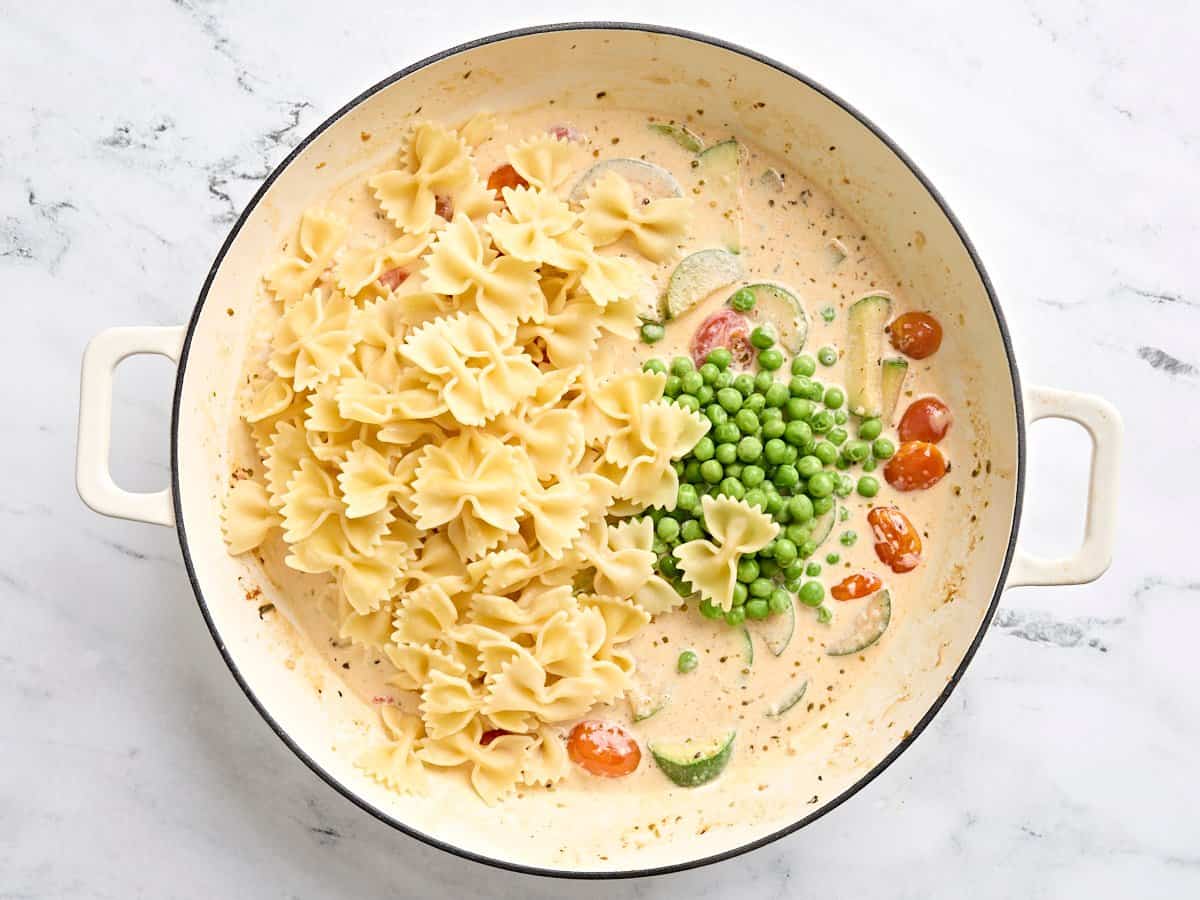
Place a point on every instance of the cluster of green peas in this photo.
(781, 446)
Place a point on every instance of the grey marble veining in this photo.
(1064, 134)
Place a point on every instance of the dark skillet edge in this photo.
(689, 864)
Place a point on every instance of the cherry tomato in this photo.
(855, 586)
(916, 334)
(393, 278)
(603, 748)
(927, 419)
(444, 206)
(897, 543)
(725, 328)
(505, 176)
(917, 465)
(566, 132)
(491, 734)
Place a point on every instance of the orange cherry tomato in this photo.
(444, 206)
(603, 748)
(917, 465)
(505, 176)
(916, 334)
(927, 419)
(897, 543)
(855, 586)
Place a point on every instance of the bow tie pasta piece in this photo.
(567, 338)
(546, 760)
(424, 615)
(460, 264)
(359, 269)
(448, 704)
(495, 767)
(270, 398)
(313, 338)
(520, 617)
(620, 570)
(622, 620)
(711, 565)
(367, 481)
(373, 630)
(480, 375)
(434, 163)
(552, 439)
(655, 596)
(614, 405)
(321, 234)
(543, 161)
(393, 762)
(606, 278)
(248, 516)
(472, 476)
(559, 512)
(567, 641)
(657, 228)
(382, 326)
(312, 499)
(664, 432)
(522, 692)
(415, 662)
(531, 227)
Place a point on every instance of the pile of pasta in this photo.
(432, 437)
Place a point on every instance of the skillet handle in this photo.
(93, 479)
(1102, 421)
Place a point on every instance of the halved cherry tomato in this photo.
(725, 328)
(927, 419)
(491, 734)
(393, 278)
(897, 543)
(603, 748)
(855, 586)
(444, 206)
(916, 334)
(565, 132)
(917, 465)
(505, 176)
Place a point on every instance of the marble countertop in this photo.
(1064, 134)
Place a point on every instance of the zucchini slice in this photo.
(864, 344)
(894, 370)
(775, 710)
(656, 180)
(720, 171)
(698, 275)
(777, 631)
(872, 622)
(680, 134)
(643, 704)
(693, 762)
(783, 309)
(822, 526)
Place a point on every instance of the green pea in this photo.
(716, 414)
(812, 593)
(856, 450)
(774, 504)
(691, 471)
(824, 615)
(770, 360)
(797, 533)
(762, 337)
(727, 433)
(691, 382)
(837, 436)
(744, 384)
(883, 448)
(770, 567)
(785, 551)
(688, 402)
(822, 505)
(732, 488)
(776, 395)
(724, 380)
(791, 454)
(659, 547)
(869, 429)
(833, 558)
(867, 486)
(779, 601)
(798, 434)
(740, 593)
(742, 300)
(820, 485)
(677, 466)
(799, 410)
(822, 422)
(800, 506)
(827, 356)
(771, 412)
(775, 451)
(826, 453)
(710, 610)
(667, 529)
(762, 381)
(705, 395)
(828, 313)
(844, 486)
(673, 386)
(667, 566)
(848, 538)
(756, 497)
(691, 531)
(735, 616)
(746, 421)
(749, 449)
(786, 476)
(761, 587)
(687, 662)
(869, 465)
(752, 475)
(814, 392)
(726, 453)
(843, 514)
(807, 466)
(758, 609)
(708, 373)
(798, 385)
(720, 357)
(775, 427)
(808, 548)
(842, 463)
(813, 569)
(704, 449)
(681, 365)
(804, 365)
(712, 471)
(686, 497)
(756, 403)
(747, 569)
(734, 470)
(652, 333)
(834, 397)
(654, 365)
(730, 400)
(841, 416)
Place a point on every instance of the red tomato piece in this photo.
(491, 734)
(897, 543)
(505, 176)
(444, 207)
(927, 419)
(393, 278)
(855, 586)
(566, 132)
(916, 334)
(917, 465)
(603, 748)
(724, 328)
